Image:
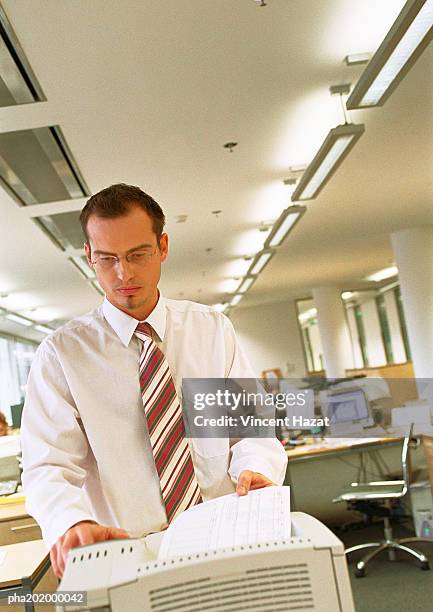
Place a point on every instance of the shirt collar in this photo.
(124, 325)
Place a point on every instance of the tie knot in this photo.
(144, 329)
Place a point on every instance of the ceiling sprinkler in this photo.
(260, 2)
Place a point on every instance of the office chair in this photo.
(375, 498)
(16, 412)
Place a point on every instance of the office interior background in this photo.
(216, 109)
(152, 94)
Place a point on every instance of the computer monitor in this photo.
(346, 406)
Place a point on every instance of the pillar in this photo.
(413, 250)
(334, 335)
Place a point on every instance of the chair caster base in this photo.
(425, 565)
(359, 573)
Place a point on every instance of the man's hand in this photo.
(85, 532)
(248, 481)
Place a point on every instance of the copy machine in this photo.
(308, 571)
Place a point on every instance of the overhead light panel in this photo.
(334, 149)
(260, 261)
(17, 319)
(283, 225)
(18, 84)
(402, 46)
(246, 284)
(64, 229)
(83, 266)
(97, 286)
(236, 299)
(220, 307)
(36, 166)
(383, 274)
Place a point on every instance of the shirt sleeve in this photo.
(55, 450)
(264, 455)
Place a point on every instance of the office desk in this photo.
(16, 525)
(22, 567)
(315, 483)
(317, 449)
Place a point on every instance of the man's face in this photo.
(131, 287)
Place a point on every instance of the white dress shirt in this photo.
(86, 449)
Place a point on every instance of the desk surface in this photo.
(318, 448)
(21, 560)
(12, 511)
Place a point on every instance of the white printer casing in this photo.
(307, 572)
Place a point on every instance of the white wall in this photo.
(271, 338)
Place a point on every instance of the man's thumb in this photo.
(114, 533)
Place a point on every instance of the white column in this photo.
(337, 352)
(413, 250)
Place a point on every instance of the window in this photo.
(384, 328)
(403, 330)
(361, 334)
(15, 360)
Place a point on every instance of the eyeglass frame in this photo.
(116, 258)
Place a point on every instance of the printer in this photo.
(306, 572)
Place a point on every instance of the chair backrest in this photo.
(16, 412)
(404, 456)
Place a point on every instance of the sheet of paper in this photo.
(3, 554)
(261, 516)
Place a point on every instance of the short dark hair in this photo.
(116, 201)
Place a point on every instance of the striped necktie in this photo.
(163, 412)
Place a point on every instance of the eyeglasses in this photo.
(138, 258)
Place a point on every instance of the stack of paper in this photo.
(261, 516)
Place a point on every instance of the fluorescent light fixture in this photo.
(260, 261)
(83, 266)
(347, 295)
(48, 171)
(334, 149)
(18, 84)
(220, 307)
(17, 319)
(283, 225)
(44, 329)
(97, 286)
(236, 299)
(402, 46)
(381, 275)
(246, 284)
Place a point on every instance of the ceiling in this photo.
(148, 91)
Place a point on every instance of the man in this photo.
(104, 450)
